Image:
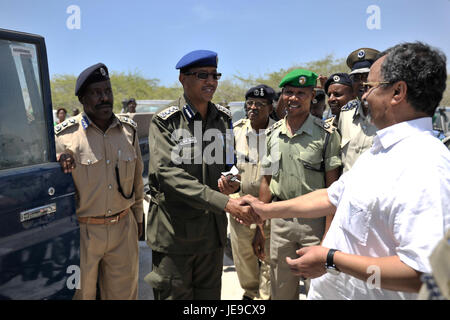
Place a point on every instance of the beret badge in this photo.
(302, 80)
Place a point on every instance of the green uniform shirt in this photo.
(294, 161)
(186, 212)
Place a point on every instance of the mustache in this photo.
(103, 105)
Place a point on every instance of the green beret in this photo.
(299, 78)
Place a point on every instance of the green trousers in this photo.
(186, 277)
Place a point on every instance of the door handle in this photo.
(37, 212)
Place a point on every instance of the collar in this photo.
(306, 127)
(250, 131)
(86, 121)
(387, 137)
(190, 111)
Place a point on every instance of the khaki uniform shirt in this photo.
(187, 156)
(294, 161)
(97, 154)
(250, 148)
(356, 131)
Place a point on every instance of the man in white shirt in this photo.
(392, 207)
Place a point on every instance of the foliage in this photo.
(133, 84)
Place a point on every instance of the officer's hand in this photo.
(140, 229)
(244, 214)
(257, 205)
(258, 243)
(226, 186)
(322, 80)
(67, 162)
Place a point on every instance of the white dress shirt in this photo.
(394, 201)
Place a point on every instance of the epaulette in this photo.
(224, 110)
(239, 122)
(350, 105)
(66, 124)
(273, 127)
(125, 119)
(326, 124)
(166, 113)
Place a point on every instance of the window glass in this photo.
(23, 129)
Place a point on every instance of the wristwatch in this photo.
(330, 266)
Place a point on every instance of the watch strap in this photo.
(330, 256)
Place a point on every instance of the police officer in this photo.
(318, 103)
(102, 152)
(302, 156)
(356, 130)
(340, 91)
(249, 134)
(191, 144)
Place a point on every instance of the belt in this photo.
(104, 220)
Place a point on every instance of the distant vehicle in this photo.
(39, 233)
(151, 105)
(441, 121)
(237, 109)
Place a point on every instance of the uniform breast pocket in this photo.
(89, 168)
(311, 161)
(126, 165)
(357, 221)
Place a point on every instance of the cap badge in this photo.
(302, 80)
(256, 92)
(336, 78)
(261, 92)
(103, 72)
(361, 54)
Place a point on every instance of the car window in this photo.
(23, 129)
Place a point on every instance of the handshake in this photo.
(247, 210)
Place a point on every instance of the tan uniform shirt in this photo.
(356, 131)
(295, 160)
(250, 148)
(97, 154)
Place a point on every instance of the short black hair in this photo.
(424, 70)
(63, 109)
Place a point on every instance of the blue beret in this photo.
(198, 58)
(341, 78)
(261, 91)
(96, 73)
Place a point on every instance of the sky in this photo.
(251, 37)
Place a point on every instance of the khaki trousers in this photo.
(286, 237)
(109, 253)
(253, 275)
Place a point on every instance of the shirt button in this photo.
(110, 187)
(108, 162)
(109, 211)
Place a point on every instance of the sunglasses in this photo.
(204, 75)
(257, 104)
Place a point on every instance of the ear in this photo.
(181, 78)
(400, 92)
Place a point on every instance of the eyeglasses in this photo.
(257, 104)
(204, 75)
(367, 86)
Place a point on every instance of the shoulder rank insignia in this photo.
(166, 113)
(224, 110)
(326, 124)
(239, 122)
(350, 105)
(126, 119)
(65, 124)
(273, 127)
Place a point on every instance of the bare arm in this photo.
(386, 272)
(312, 205)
